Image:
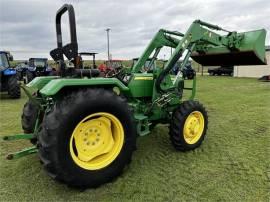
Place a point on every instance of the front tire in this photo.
(14, 90)
(71, 142)
(188, 126)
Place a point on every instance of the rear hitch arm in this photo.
(18, 137)
(29, 150)
(23, 152)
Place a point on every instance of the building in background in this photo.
(254, 70)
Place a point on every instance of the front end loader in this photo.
(84, 128)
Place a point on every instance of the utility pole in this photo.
(108, 42)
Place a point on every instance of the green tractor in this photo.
(84, 128)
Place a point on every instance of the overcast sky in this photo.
(28, 26)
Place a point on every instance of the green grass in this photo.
(233, 163)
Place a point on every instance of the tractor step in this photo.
(142, 124)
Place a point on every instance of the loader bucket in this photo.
(250, 52)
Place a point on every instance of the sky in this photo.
(28, 26)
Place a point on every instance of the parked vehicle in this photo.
(8, 76)
(188, 72)
(110, 68)
(38, 67)
(149, 65)
(83, 63)
(222, 70)
(265, 78)
(21, 70)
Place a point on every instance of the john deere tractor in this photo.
(8, 76)
(84, 128)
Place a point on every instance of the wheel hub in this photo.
(95, 138)
(193, 127)
(96, 141)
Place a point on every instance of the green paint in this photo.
(18, 137)
(22, 153)
(40, 82)
(141, 85)
(54, 86)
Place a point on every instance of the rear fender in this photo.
(39, 82)
(54, 86)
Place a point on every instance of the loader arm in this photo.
(195, 34)
(206, 47)
(162, 38)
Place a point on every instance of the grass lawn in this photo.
(233, 163)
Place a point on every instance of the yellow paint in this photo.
(96, 141)
(143, 78)
(193, 127)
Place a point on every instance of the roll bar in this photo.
(70, 50)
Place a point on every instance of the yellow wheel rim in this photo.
(96, 141)
(193, 127)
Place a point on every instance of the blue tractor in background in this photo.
(33, 68)
(8, 76)
(187, 71)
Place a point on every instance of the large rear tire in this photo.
(14, 90)
(188, 126)
(71, 142)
